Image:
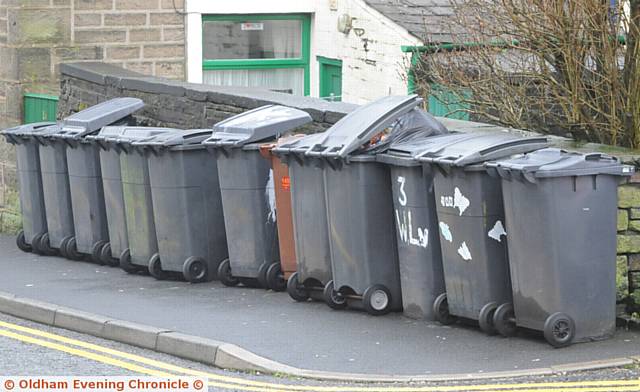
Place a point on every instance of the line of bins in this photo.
(387, 210)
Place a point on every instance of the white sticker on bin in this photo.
(463, 251)
(446, 233)
(271, 197)
(497, 232)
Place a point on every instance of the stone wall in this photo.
(178, 104)
(37, 35)
(629, 244)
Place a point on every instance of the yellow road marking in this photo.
(600, 385)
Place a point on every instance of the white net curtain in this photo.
(266, 39)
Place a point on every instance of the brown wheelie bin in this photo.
(277, 274)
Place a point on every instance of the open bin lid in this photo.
(358, 127)
(24, 132)
(180, 140)
(91, 120)
(554, 162)
(476, 148)
(266, 122)
(123, 136)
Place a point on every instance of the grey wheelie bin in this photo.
(137, 199)
(562, 251)
(308, 208)
(187, 209)
(364, 259)
(112, 187)
(416, 222)
(34, 219)
(247, 189)
(57, 196)
(127, 195)
(471, 223)
(85, 182)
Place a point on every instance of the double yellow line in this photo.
(147, 366)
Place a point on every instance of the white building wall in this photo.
(372, 64)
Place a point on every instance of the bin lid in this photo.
(554, 162)
(266, 122)
(26, 131)
(405, 152)
(91, 120)
(179, 140)
(299, 146)
(476, 148)
(358, 127)
(125, 135)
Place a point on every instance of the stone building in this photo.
(37, 35)
(348, 50)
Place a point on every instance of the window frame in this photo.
(236, 64)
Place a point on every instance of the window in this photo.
(267, 51)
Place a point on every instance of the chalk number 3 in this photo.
(403, 196)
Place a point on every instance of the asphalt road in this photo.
(307, 335)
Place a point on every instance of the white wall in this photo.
(366, 74)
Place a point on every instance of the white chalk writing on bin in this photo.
(458, 200)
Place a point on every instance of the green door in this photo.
(330, 79)
(39, 107)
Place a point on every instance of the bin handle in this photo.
(595, 156)
(513, 143)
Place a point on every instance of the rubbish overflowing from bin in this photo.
(386, 210)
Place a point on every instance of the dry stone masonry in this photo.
(37, 35)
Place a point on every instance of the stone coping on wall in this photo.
(106, 74)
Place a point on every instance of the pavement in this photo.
(29, 349)
(304, 335)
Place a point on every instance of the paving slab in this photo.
(301, 335)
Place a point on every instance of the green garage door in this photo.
(40, 107)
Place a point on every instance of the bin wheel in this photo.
(72, 250)
(96, 252)
(504, 320)
(441, 310)
(195, 270)
(35, 244)
(155, 268)
(333, 298)
(296, 290)
(275, 279)
(125, 262)
(107, 258)
(262, 275)
(377, 300)
(224, 274)
(63, 247)
(485, 318)
(21, 242)
(559, 330)
(44, 245)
